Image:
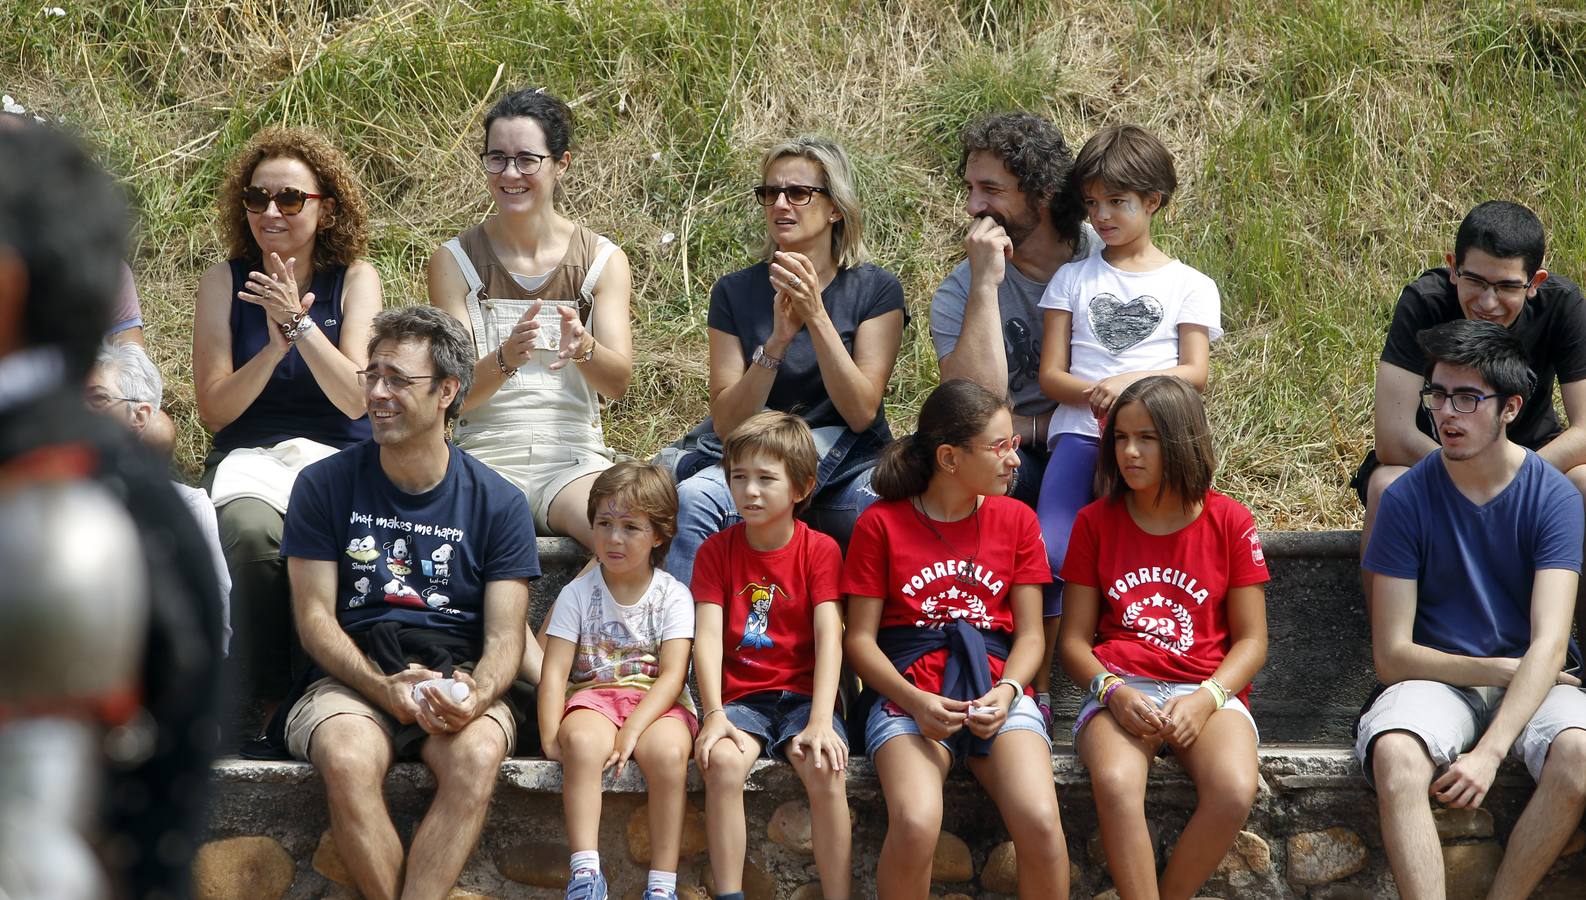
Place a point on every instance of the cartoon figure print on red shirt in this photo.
(762, 597)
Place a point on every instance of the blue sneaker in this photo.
(586, 884)
(660, 893)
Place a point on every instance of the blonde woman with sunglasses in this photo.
(279, 334)
(812, 329)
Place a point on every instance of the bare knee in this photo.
(1229, 794)
(1565, 768)
(728, 767)
(1577, 477)
(1400, 764)
(915, 825)
(1116, 785)
(663, 762)
(824, 784)
(342, 754)
(473, 760)
(584, 745)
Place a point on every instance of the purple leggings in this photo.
(1065, 489)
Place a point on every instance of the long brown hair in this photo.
(343, 229)
(1179, 415)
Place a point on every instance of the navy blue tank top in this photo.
(292, 404)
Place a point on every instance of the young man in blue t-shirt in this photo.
(405, 556)
(1476, 553)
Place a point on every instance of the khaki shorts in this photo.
(540, 469)
(328, 697)
(1450, 720)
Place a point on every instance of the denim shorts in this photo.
(1159, 692)
(776, 717)
(887, 721)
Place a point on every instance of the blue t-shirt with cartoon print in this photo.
(419, 559)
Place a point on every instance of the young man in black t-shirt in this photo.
(1495, 274)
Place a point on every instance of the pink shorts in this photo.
(618, 703)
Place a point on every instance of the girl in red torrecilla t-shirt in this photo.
(943, 579)
(1164, 617)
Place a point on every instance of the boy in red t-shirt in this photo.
(768, 649)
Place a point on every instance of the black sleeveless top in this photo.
(292, 404)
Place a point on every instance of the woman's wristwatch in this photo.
(587, 355)
(765, 360)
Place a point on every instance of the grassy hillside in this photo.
(1327, 149)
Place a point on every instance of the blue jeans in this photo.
(776, 717)
(704, 507)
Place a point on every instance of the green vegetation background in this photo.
(1327, 149)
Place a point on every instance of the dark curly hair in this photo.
(343, 229)
(1032, 149)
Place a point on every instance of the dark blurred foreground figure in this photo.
(109, 619)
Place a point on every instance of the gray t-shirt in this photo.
(1017, 300)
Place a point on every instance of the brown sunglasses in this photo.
(289, 201)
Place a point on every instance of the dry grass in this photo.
(1326, 151)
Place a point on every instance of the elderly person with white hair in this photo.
(125, 384)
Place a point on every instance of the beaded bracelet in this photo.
(501, 363)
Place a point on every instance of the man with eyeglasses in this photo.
(125, 385)
(409, 562)
(1477, 555)
(1494, 275)
(1024, 223)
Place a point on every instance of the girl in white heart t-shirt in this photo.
(1111, 319)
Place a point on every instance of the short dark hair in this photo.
(953, 414)
(1487, 347)
(1127, 158)
(554, 116)
(66, 219)
(783, 437)
(1032, 149)
(644, 488)
(1189, 458)
(451, 347)
(1505, 230)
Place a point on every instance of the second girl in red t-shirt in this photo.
(1164, 616)
(943, 579)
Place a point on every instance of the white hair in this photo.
(135, 375)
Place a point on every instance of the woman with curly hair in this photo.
(279, 335)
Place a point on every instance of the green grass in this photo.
(1326, 151)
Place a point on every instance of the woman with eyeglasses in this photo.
(812, 329)
(943, 580)
(546, 300)
(279, 335)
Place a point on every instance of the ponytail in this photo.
(904, 470)
(953, 414)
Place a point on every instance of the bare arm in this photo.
(551, 697)
(334, 365)
(1076, 633)
(611, 368)
(1056, 382)
(506, 614)
(828, 660)
(738, 391)
(447, 291)
(707, 656)
(314, 607)
(1029, 641)
(668, 686)
(221, 392)
(1397, 396)
(1568, 449)
(1194, 361)
(1397, 656)
(1247, 632)
(979, 354)
(856, 384)
(1466, 781)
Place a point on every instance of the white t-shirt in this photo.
(1125, 322)
(616, 645)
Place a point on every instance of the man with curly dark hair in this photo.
(984, 318)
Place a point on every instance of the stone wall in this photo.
(1313, 832)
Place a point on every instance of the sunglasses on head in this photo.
(289, 201)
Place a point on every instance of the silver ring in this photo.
(797, 282)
